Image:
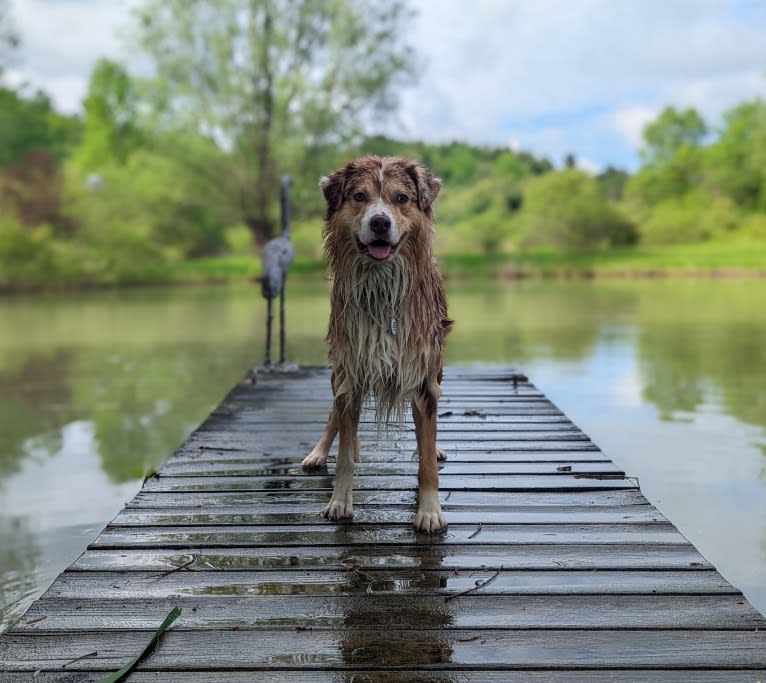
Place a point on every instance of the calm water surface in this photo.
(96, 390)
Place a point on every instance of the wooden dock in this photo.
(554, 568)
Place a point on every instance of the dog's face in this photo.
(375, 204)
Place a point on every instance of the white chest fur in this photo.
(375, 354)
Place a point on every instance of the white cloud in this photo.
(631, 122)
(589, 67)
(557, 76)
(61, 41)
(591, 167)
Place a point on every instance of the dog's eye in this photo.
(360, 196)
(402, 198)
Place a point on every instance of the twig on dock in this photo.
(477, 532)
(185, 565)
(479, 584)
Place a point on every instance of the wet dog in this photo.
(388, 319)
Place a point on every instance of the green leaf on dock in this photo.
(117, 675)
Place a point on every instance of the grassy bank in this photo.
(701, 260)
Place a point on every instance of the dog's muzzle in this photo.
(379, 238)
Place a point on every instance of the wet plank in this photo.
(485, 675)
(621, 498)
(554, 568)
(287, 514)
(417, 581)
(349, 533)
(351, 647)
(591, 556)
(413, 676)
(392, 610)
(508, 483)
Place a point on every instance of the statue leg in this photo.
(269, 321)
(282, 323)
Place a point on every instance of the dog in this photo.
(388, 319)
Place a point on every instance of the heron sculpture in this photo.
(277, 256)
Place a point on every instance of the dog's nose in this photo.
(380, 223)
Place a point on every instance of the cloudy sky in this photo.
(549, 76)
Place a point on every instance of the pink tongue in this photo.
(379, 251)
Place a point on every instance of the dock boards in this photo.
(554, 567)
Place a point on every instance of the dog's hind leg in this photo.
(341, 504)
(429, 517)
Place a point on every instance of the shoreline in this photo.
(606, 265)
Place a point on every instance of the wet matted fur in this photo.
(388, 319)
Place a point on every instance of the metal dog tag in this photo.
(394, 326)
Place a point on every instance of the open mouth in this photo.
(380, 250)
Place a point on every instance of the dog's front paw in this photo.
(441, 456)
(429, 520)
(317, 458)
(340, 507)
(430, 517)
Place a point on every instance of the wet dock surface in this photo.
(554, 568)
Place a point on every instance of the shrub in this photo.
(567, 210)
(694, 217)
(27, 258)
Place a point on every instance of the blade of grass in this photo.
(117, 675)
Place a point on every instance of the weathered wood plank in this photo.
(485, 675)
(260, 419)
(419, 611)
(309, 515)
(330, 535)
(116, 585)
(257, 467)
(452, 499)
(457, 455)
(440, 649)
(509, 483)
(400, 448)
(591, 556)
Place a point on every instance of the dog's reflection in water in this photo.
(399, 619)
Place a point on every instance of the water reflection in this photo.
(370, 625)
(21, 559)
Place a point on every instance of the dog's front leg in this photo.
(430, 517)
(318, 456)
(341, 503)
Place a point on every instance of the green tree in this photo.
(669, 179)
(567, 210)
(28, 122)
(612, 181)
(110, 131)
(671, 131)
(735, 165)
(271, 80)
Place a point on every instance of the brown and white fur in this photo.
(388, 319)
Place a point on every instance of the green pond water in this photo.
(97, 389)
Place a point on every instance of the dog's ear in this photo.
(427, 187)
(332, 189)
